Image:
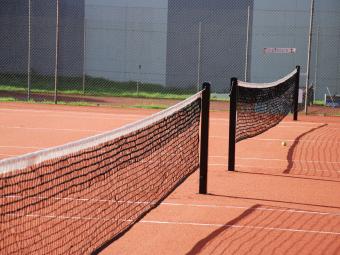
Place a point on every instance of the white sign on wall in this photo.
(279, 50)
(300, 98)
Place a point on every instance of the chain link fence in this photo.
(13, 45)
(61, 50)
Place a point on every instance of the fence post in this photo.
(29, 51)
(204, 138)
(199, 55)
(247, 46)
(310, 34)
(296, 93)
(316, 62)
(84, 57)
(56, 55)
(232, 124)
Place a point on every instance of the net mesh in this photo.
(77, 203)
(262, 106)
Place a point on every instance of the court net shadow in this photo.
(264, 229)
(200, 246)
(314, 153)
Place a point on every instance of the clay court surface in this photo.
(280, 199)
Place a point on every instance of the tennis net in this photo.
(78, 198)
(257, 107)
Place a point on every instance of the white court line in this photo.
(328, 127)
(284, 125)
(181, 223)
(88, 115)
(277, 139)
(294, 123)
(285, 160)
(294, 126)
(300, 169)
(282, 160)
(20, 147)
(81, 114)
(298, 125)
(53, 111)
(276, 168)
(119, 115)
(212, 206)
(252, 209)
(68, 113)
(307, 128)
(133, 116)
(54, 129)
(243, 227)
(7, 155)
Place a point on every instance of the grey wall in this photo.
(325, 61)
(14, 36)
(286, 24)
(281, 24)
(223, 42)
(43, 37)
(162, 37)
(123, 34)
(71, 37)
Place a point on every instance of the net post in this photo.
(296, 93)
(204, 138)
(232, 124)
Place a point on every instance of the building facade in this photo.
(17, 27)
(173, 43)
(285, 24)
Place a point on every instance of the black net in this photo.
(78, 202)
(262, 106)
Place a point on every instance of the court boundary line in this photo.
(53, 129)
(288, 210)
(275, 168)
(277, 159)
(243, 227)
(73, 112)
(21, 147)
(7, 155)
(183, 223)
(297, 126)
(282, 139)
(133, 116)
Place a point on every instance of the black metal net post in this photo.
(232, 124)
(204, 138)
(296, 93)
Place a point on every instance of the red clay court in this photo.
(280, 199)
